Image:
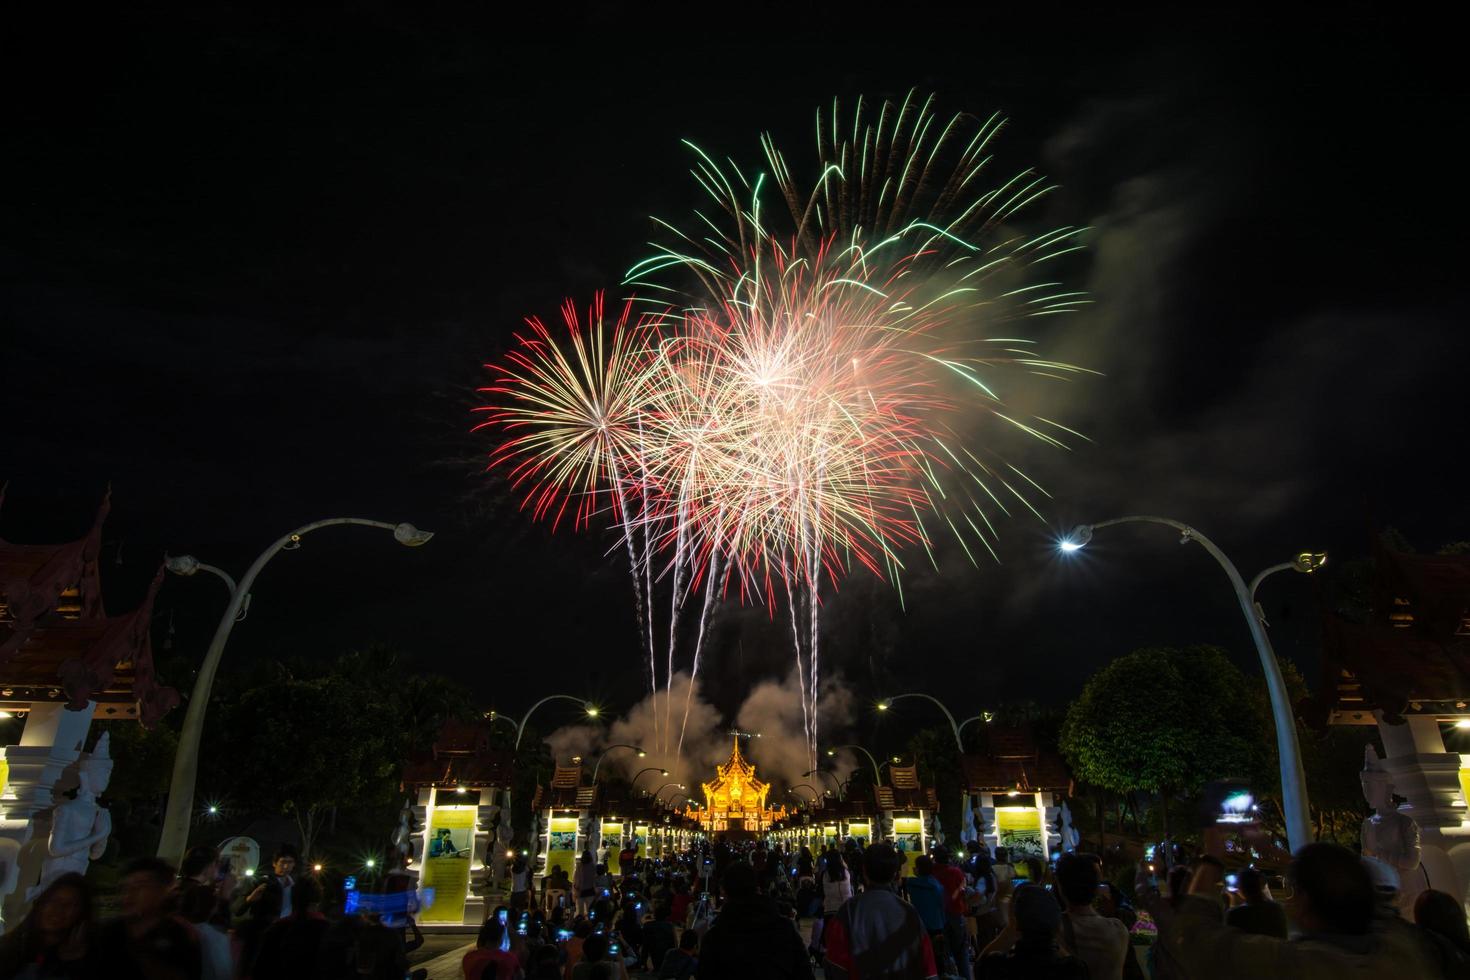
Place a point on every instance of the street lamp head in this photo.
(642, 754)
(831, 751)
(663, 772)
(885, 704)
(1076, 539)
(592, 710)
(1309, 561)
(181, 564)
(409, 536)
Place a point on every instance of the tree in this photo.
(310, 742)
(310, 748)
(1163, 720)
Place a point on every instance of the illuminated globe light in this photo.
(369, 863)
(1076, 539)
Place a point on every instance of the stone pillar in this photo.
(985, 821)
(488, 855)
(420, 828)
(1051, 822)
(1428, 777)
(540, 821)
(49, 746)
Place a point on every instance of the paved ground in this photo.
(441, 955)
(441, 947)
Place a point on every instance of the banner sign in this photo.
(449, 844)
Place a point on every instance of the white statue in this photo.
(79, 827)
(1388, 835)
(1070, 837)
(403, 835)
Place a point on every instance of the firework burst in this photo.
(827, 394)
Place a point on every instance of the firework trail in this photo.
(570, 414)
(812, 403)
(839, 319)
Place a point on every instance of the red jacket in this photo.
(952, 879)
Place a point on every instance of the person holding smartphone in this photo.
(599, 949)
(1332, 909)
(1257, 914)
(488, 953)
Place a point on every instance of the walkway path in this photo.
(445, 966)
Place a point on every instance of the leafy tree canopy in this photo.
(1163, 720)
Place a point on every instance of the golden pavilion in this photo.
(735, 801)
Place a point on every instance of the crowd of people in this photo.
(859, 912)
(199, 922)
(721, 911)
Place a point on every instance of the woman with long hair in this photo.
(52, 940)
(836, 889)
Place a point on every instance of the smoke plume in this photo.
(772, 711)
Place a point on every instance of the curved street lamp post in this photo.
(957, 728)
(877, 772)
(830, 775)
(1293, 780)
(591, 710)
(179, 809)
(633, 783)
(620, 745)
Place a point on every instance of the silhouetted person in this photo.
(749, 937)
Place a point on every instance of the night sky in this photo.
(252, 267)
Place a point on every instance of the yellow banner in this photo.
(860, 830)
(612, 843)
(449, 845)
(640, 834)
(908, 834)
(561, 846)
(1020, 830)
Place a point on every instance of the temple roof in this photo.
(736, 793)
(461, 756)
(566, 791)
(735, 777)
(904, 791)
(737, 768)
(57, 642)
(1012, 760)
(1409, 654)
